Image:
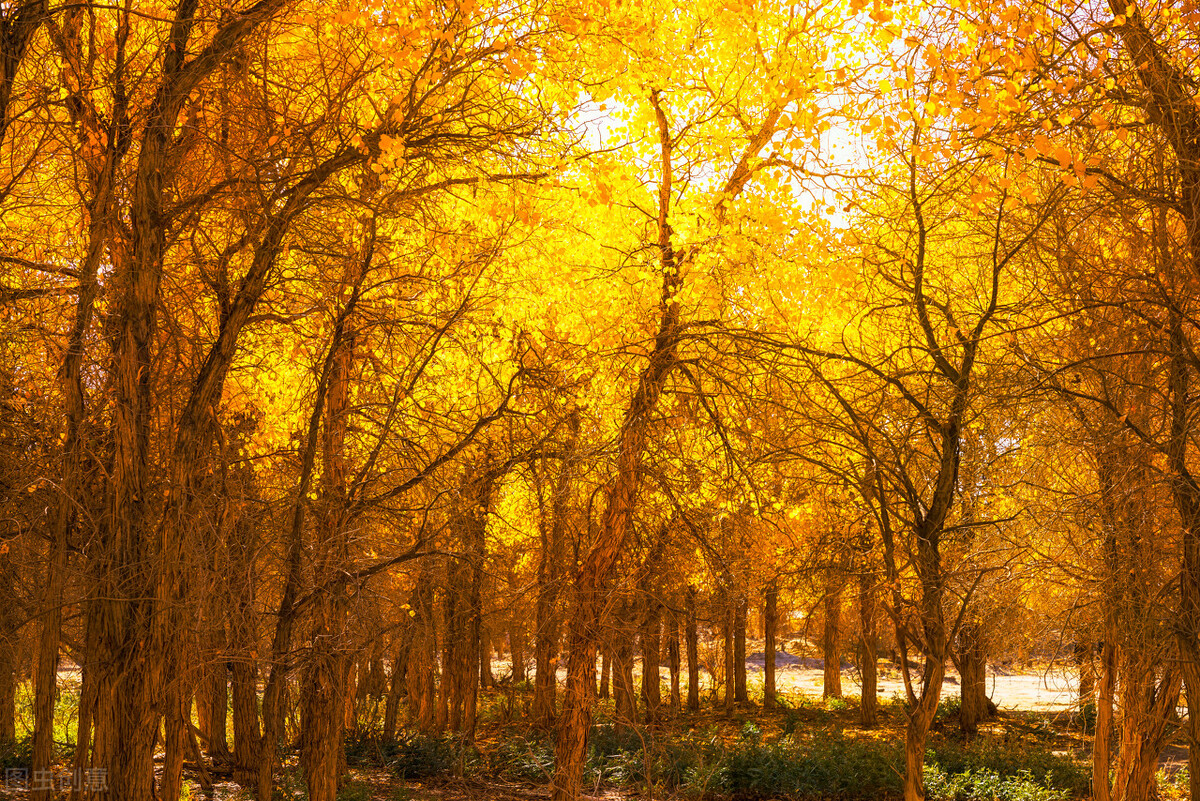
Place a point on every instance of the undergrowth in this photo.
(704, 764)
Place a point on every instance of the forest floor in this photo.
(807, 748)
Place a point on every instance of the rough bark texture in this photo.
(831, 637)
(673, 662)
(972, 667)
(1102, 736)
(770, 622)
(624, 692)
(692, 638)
(651, 642)
(868, 649)
(730, 681)
(421, 662)
(739, 649)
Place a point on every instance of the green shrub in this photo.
(985, 785)
(831, 767)
(530, 760)
(949, 709)
(366, 747)
(421, 756)
(1006, 760)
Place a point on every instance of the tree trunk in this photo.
(87, 699)
(917, 729)
(692, 636)
(396, 687)
(212, 697)
(651, 642)
(972, 666)
(730, 671)
(1102, 738)
(593, 577)
(10, 629)
(323, 683)
(1147, 706)
(739, 650)
(770, 621)
(516, 649)
(867, 656)
(831, 638)
(101, 217)
(178, 719)
(673, 661)
(487, 679)
(422, 656)
(623, 692)
(246, 738)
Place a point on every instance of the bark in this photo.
(396, 685)
(1147, 704)
(727, 626)
(212, 691)
(87, 701)
(868, 649)
(692, 637)
(651, 642)
(10, 646)
(516, 650)
(972, 668)
(177, 726)
(244, 692)
(831, 638)
(673, 662)
(1102, 737)
(917, 729)
(324, 691)
(624, 694)
(421, 662)
(770, 622)
(487, 679)
(739, 649)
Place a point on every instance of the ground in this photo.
(808, 748)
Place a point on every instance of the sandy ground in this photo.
(1051, 690)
